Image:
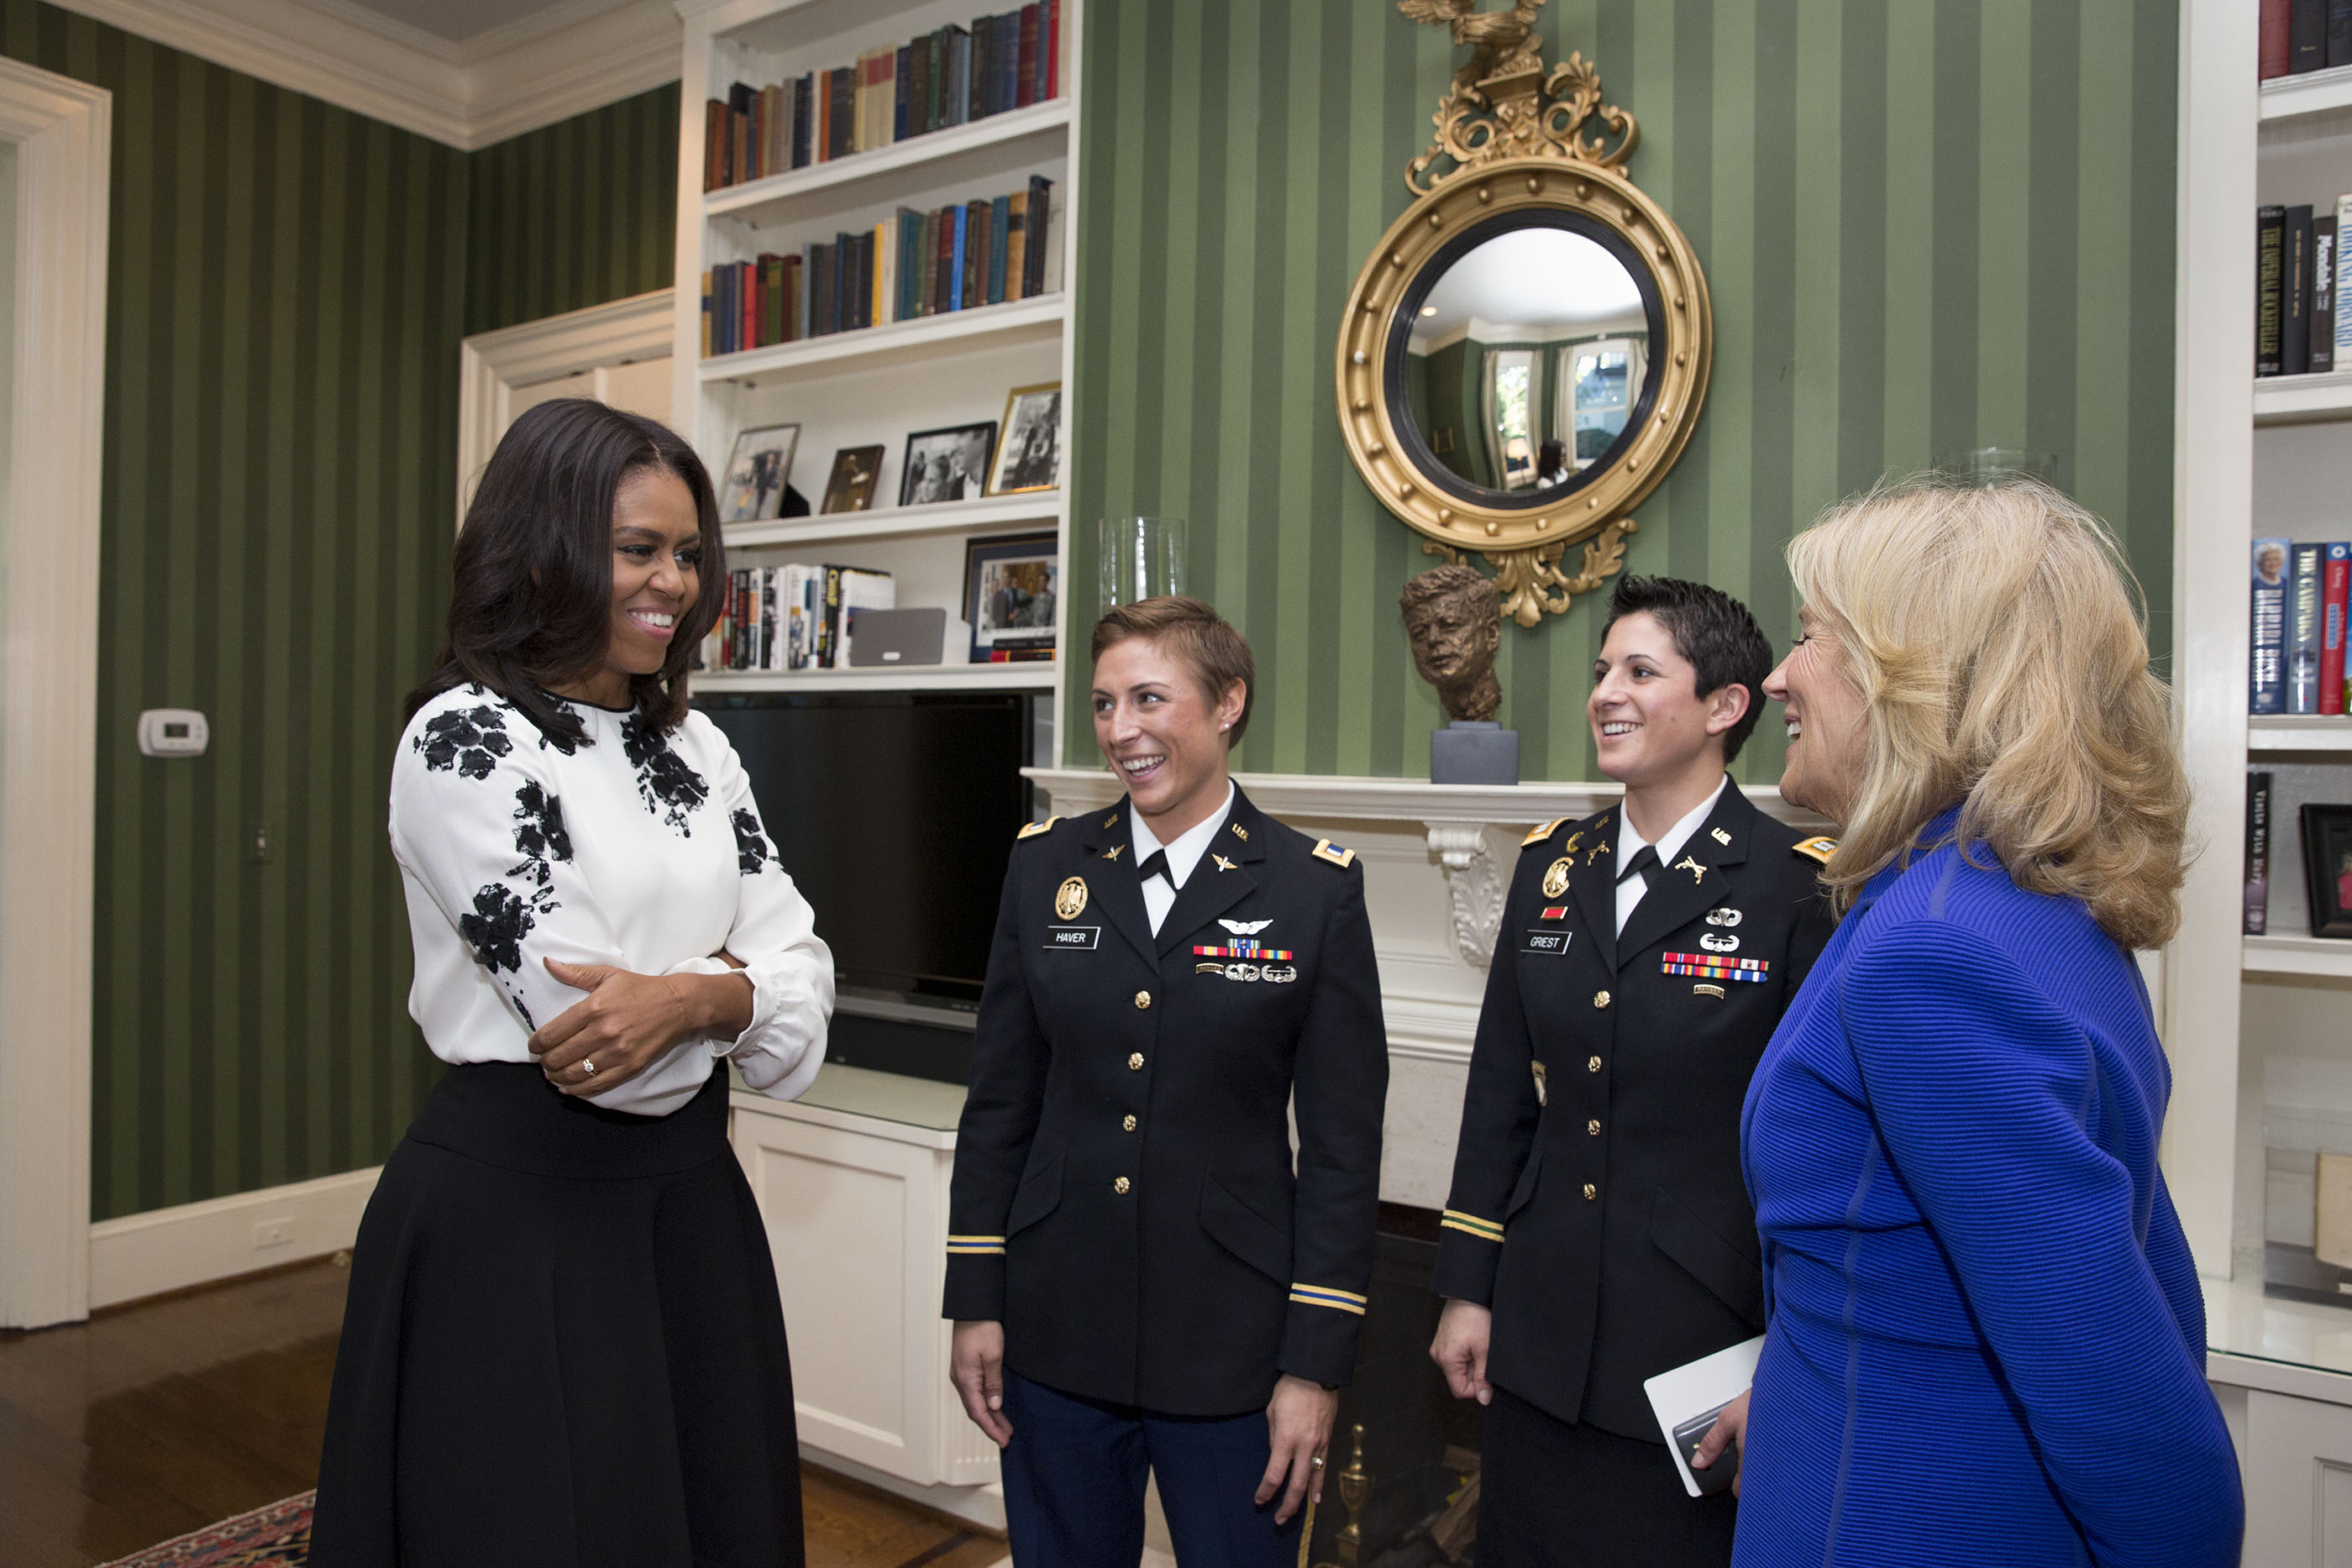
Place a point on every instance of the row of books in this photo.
(917, 263)
(2300, 35)
(2303, 313)
(951, 76)
(793, 617)
(2301, 593)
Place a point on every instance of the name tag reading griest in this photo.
(1551, 942)
(1086, 937)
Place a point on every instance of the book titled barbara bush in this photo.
(2266, 668)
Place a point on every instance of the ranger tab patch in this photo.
(1325, 850)
(1817, 849)
(1033, 829)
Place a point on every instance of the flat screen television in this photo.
(895, 813)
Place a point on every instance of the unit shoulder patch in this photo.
(1539, 834)
(1032, 829)
(1325, 850)
(1816, 849)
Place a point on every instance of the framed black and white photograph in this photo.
(850, 487)
(950, 464)
(1030, 456)
(1011, 584)
(2328, 868)
(757, 474)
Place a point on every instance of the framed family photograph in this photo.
(1030, 456)
(1011, 584)
(757, 474)
(2328, 868)
(850, 487)
(950, 464)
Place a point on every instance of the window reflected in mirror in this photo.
(1526, 360)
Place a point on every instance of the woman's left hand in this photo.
(626, 1022)
(1298, 1419)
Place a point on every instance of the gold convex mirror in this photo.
(1525, 353)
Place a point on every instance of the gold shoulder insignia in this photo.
(1325, 850)
(1033, 829)
(1539, 834)
(1817, 849)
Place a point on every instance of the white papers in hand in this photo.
(1697, 1387)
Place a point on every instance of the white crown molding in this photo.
(529, 73)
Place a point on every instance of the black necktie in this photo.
(1645, 861)
(1156, 864)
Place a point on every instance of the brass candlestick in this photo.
(1355, 1485)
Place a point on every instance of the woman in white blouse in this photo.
(564, 1343)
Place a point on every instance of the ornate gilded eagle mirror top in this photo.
(1525, 352)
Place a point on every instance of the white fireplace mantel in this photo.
(1454, 818)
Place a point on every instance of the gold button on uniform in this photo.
(1591, 1191)
(1129, 1123)
(1119, 1187)
(1135, 1062)
(1599, 998)
(1592, 1128)
(1143, 999)
(1593, 1065)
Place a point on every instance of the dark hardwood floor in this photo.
(161, 1416)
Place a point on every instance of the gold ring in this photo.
(1318, 1461)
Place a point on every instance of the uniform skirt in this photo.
(562, 1345)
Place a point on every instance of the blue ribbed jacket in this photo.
(1986, 1341)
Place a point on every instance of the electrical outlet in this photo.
(269, 1233)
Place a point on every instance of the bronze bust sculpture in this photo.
(1452, 617)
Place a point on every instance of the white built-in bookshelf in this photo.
(2259, 1028)
(873, 386)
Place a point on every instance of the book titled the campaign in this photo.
(2303, 631)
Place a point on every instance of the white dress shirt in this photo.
(1185, 853)
(630, 847)
(1670, 845)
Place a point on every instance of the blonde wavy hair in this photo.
(1999, 643)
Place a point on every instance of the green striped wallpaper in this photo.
(286, 288)
(1928, 226)
(574, 213)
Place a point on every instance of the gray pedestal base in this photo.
(1474, 752)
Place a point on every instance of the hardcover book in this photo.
(2335, 587)
(2295, 294)
(2270, 245)
(2323, 292)
(2302, 632)
(2266, 674)
(2258, 854)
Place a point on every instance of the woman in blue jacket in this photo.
(1986, 1342)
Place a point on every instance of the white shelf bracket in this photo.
(1474, 881)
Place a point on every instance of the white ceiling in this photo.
(457, 20)
(1544, 280)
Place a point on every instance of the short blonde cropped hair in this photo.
(1998, 641)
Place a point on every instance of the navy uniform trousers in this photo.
(1126, 1200)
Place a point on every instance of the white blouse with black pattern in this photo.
(636, 848)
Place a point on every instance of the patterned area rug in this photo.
(278, 1536)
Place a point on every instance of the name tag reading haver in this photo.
(1084, 936)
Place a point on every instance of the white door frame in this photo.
(490, 364)
(61, 131)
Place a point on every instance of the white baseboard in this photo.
(979, 1505)
(195, 1243)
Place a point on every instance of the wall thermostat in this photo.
(172, 732)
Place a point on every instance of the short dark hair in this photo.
(1192, 632)
(1713, 631)
(531, 599)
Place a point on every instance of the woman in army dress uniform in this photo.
(1599, 1230)
(1140, 1279)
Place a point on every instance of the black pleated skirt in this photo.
(562, 1346)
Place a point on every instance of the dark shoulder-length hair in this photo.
(532, 597)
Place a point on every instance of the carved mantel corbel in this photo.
(1476, 881)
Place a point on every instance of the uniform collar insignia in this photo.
(1698, 872)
